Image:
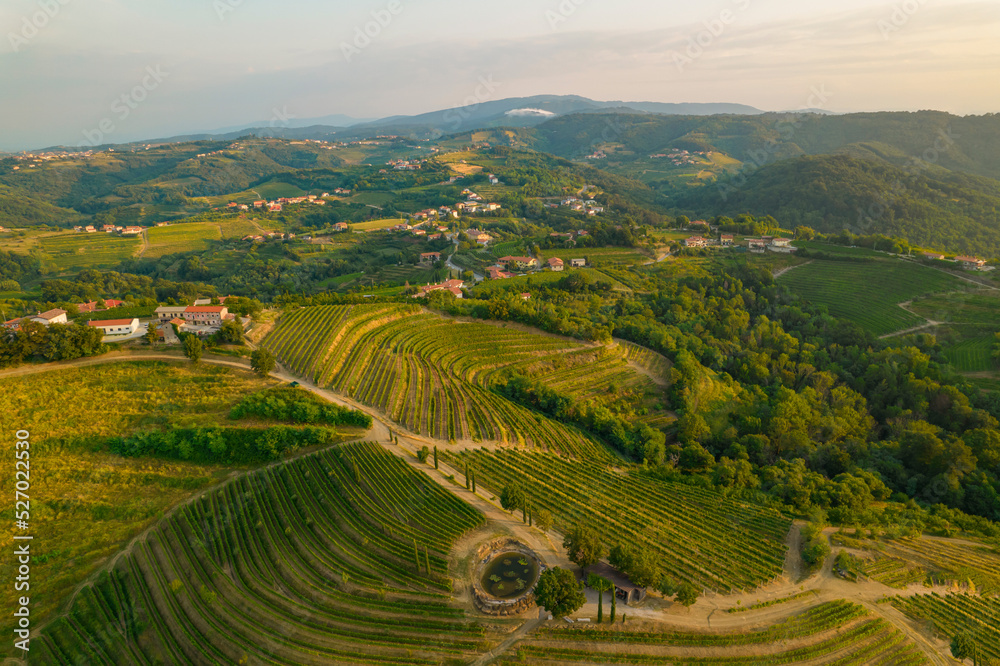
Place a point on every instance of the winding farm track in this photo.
(707, 613)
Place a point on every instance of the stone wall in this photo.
(486, 602)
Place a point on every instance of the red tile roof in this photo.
(205, 309)
(110, 322)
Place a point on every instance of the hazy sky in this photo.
(193, 65)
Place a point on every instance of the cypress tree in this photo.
(473, 480)
(467, 486)
(524, 512)
(435, 457)
(614, 602)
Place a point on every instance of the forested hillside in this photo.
(936, 208)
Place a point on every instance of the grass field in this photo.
(75, 251)
(191, 237)
(86, 504)
(598, 256)
(975, 307)
(372, 198)
(238, 228)
(869, 293)
(337, 557)
(374, 225)
(489, 287)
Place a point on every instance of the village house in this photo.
(50, 317)
(757, 245)
(695, 241)
(131, 231)
(454, 286)
(430, 257)
(555, 264)
(936, 256)
(167, 312)
(210, 315)
(725, 240)
(13, 324)
(781, 245)
(116, 326)
(475, 235)
(577, 263)
(525, 297)
(341, 226)
(495, 273)
(970, 263)
(521, 263)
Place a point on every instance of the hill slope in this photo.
(939, 209)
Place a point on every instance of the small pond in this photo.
(510, 575)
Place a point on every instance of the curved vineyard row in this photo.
(431, 374)
(838, 632)
(338, 557)
(701, 536)
(957, 613)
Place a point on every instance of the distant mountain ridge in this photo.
(434, 124)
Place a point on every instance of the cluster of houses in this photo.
(405, 165)
(755, 245)
(504, 266)
(968, 263)
(679, 157)
(453, 286)
(597, 155)
(267, 235)
(200, 318)
(60, 316)
(587, 206)
(278, 205)
(111, 229)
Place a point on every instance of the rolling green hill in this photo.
(940, 209)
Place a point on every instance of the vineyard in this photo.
(434, 375)
(701, 536)
(952, 561)
(869, 293)
(837, 632)
(955, 613)
(972, 355)
(66, 252)
(338, 557)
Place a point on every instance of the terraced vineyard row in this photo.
(431, 374)
(837, 632)
(702, 536)
(956, 613)
(338, 557)
(952, 561)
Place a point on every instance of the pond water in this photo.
(510, 575)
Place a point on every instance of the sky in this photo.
(74, 71)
